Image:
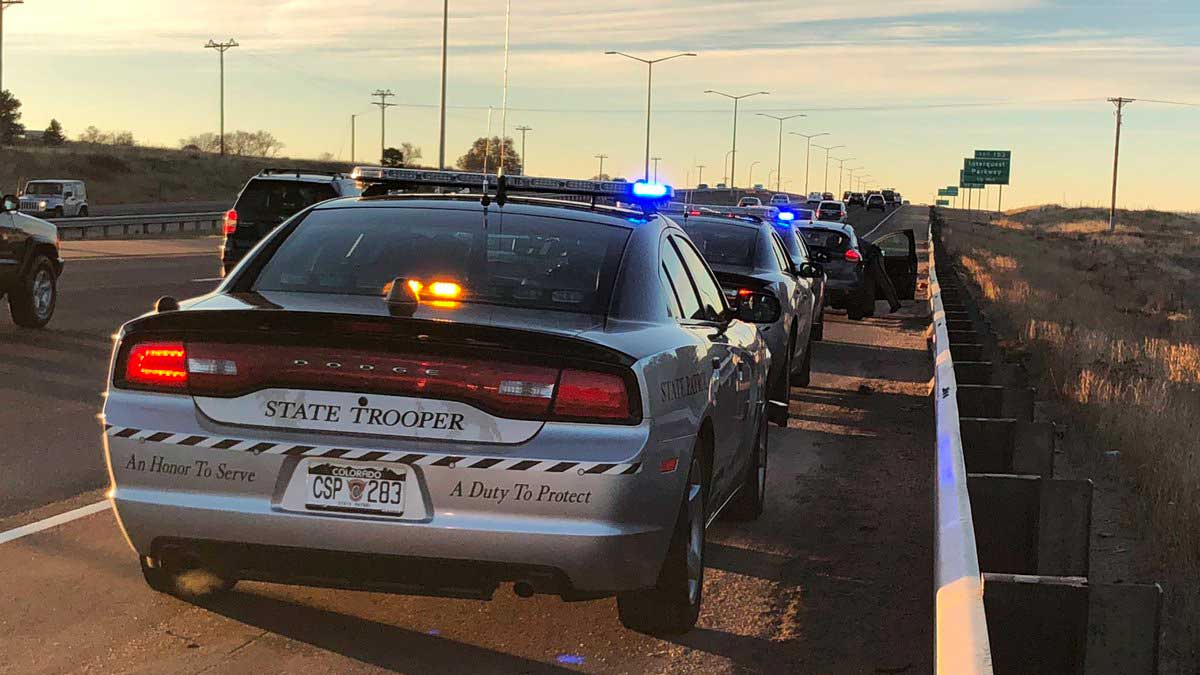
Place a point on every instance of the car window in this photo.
(680, 282)
(280, 198)
(826, 240)
(670, 297)
(894, 245)
(830, 206)
(723, 243)
(796, 248)
(781, 256)
(44, 189)
(519, 260)
(706, 285)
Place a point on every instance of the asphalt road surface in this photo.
(834, 578)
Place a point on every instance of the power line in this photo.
(221, 48)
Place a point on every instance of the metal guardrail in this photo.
(108, 226)
(961, 635)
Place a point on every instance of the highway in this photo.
(835, 577)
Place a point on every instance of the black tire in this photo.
(818, 330)
(748, 504)
(165, 579)
(673, 605)
(33, 301)
(804, 377)
(781, 388)
(57, 212)
(83, 212)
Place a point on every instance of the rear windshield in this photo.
(44, 188)
(280, 198)
(825, 240)
(830, 206)
(516, 260)
(723, 243)
(804, 214)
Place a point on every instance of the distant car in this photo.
(828, 196)
(814, 199)
(722, 186)
(746, 202)
(780, 200)
(749, 256)
(830, 211)
(846, 196)
(54, 198)
(30, 265)
(889, 196)
(876, 201)
(702, 186)
(804, 214)
(270, 198)
(856, 199)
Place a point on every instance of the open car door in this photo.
(900, 261)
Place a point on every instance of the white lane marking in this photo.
(898, 208)
(53, 521)
(197, 281)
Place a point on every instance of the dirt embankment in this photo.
(117, 175)
(1109, 325)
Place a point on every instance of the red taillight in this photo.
(157, 365)
(745, 292)
(589, 395)
(230, 224)
(853, 255)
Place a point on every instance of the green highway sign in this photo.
(944, 193)
(994, 154)
(952, 191)
(969, 182)
(989, 171)
(943, 202)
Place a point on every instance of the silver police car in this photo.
(439, 393)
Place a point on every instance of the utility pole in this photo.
(523, 129)
(1112, 213)
(383, 95)
(841, 170)
(4, 4)
(442, 122)
(221, 48)
(779, 152)
(601, 157)
(807, 153)
(353, 135)
(736, 99)
(700, 180)
(649, 90)
(656, 160)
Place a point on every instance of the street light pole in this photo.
(656, 160)
(736, 99)
(649, 90)
(807, 153)
(523, 129)
(601, 157)
(841, 170)
(750, 180)
(779, 152)
(221, 48)
(353, 135)
(442, 107)
(833, 147)
(851, 172)
(725, 165)
(700, 180)
(4, 4)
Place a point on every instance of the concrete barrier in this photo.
(107, 227)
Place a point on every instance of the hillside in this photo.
(116, 175)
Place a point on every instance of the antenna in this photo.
(504, 96)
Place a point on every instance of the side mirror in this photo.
(10, 204)
(759, 308)
(811, 271)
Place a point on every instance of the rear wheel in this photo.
(818, 330)
(673, 605)
(83, 212)
(57, 212)
(781, 388)
(804, 377)
(32, 302)
(748, 505)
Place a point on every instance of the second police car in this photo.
(440, 393)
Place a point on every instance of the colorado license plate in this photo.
(356, 488)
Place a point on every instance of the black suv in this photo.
(29, 265)
(271, 197)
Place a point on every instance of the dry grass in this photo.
(1108, 324)
(117, 175)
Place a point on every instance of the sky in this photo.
(909, 87)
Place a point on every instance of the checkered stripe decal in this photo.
(411, 458)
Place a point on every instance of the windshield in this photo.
(44, 189)
(280, 199)
(829, 241)
(792, 242)
(723, 243)
(518, 260)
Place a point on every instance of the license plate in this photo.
(356, 488)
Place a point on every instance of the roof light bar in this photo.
(620, 190)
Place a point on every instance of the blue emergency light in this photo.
(786, 216)
(644, 190)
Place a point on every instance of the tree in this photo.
(245, 143)
(122, 138)
(54, 134)
(325, 157)
(392, 157)
(602, 176)
(473, 160)
(91, 135)
(411, 153)
(10, 118)
(206, 142)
